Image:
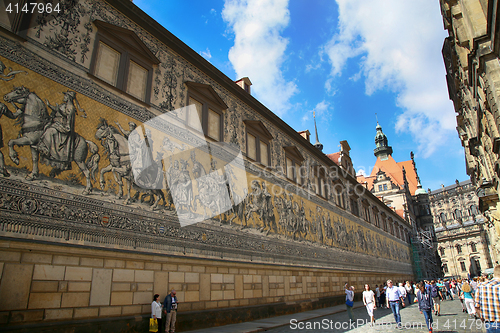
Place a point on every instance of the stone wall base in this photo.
(190, 320)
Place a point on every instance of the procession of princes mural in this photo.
(62, 141)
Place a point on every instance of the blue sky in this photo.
(347, 60)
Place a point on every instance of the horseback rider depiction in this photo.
(56, 145)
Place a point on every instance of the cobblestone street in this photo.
(452, 319)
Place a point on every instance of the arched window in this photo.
(445, 268)
(441, 251)
(442, 217)
(462, 266)
(458, 214)
(473, 210)
(459, 248)
(473, 247)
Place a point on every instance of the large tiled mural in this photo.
(55, 138)
(67, 157)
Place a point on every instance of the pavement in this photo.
(335, 319)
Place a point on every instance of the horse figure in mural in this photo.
(32, 116)
(116, 146)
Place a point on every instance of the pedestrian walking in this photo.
(468, 295)
(369, 302)
(382, 288)
(488, 302)
(447, 290)
(434, 291)
(377, 295)
(461, 294)
(409, 292)
(425, 305)
(402, 290)
(170, 307)
(349, 301)
(393, 296)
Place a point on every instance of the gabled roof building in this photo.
(397, 184)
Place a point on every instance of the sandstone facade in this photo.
(79, 240)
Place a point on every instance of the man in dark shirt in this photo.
(170, 307)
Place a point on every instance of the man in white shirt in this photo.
(392, 298)
(402, 290)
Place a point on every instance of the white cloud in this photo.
(321, 109)
(361, 172)
(398, 44)
(259, 49)
(206, 54)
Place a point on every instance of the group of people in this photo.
(166, 310)
(480, 297)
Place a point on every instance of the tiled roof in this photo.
(334, 157)
(394, 170)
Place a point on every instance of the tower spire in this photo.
(419, 190)
(382, 150)
(317, 144)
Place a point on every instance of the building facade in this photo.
(463, 240)
(118, 138)
(471, 55)
(397, 184)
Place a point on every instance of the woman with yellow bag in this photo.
(155, 320)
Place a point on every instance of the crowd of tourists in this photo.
(479, 296)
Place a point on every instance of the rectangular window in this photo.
(252, 148)
(213, 125)
(122, 60)
(193, 121)
(289, 169)
(380, 188)
(462, 266)
(445, 268)
(261, 139)
(298, 173)
(137, 81)
(478, 264)
(107, 63)
(385, 187)
(264, 157)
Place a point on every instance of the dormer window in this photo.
(258, 142)
(123, 61)
(209, 110)
(293, 160)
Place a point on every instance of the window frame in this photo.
(122, 40)
(320, 180)
(262, 135)
(463, 266)
(293, 154)
(354, 204)
(473, 247)
(209, 100)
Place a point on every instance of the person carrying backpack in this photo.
(434, 292)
